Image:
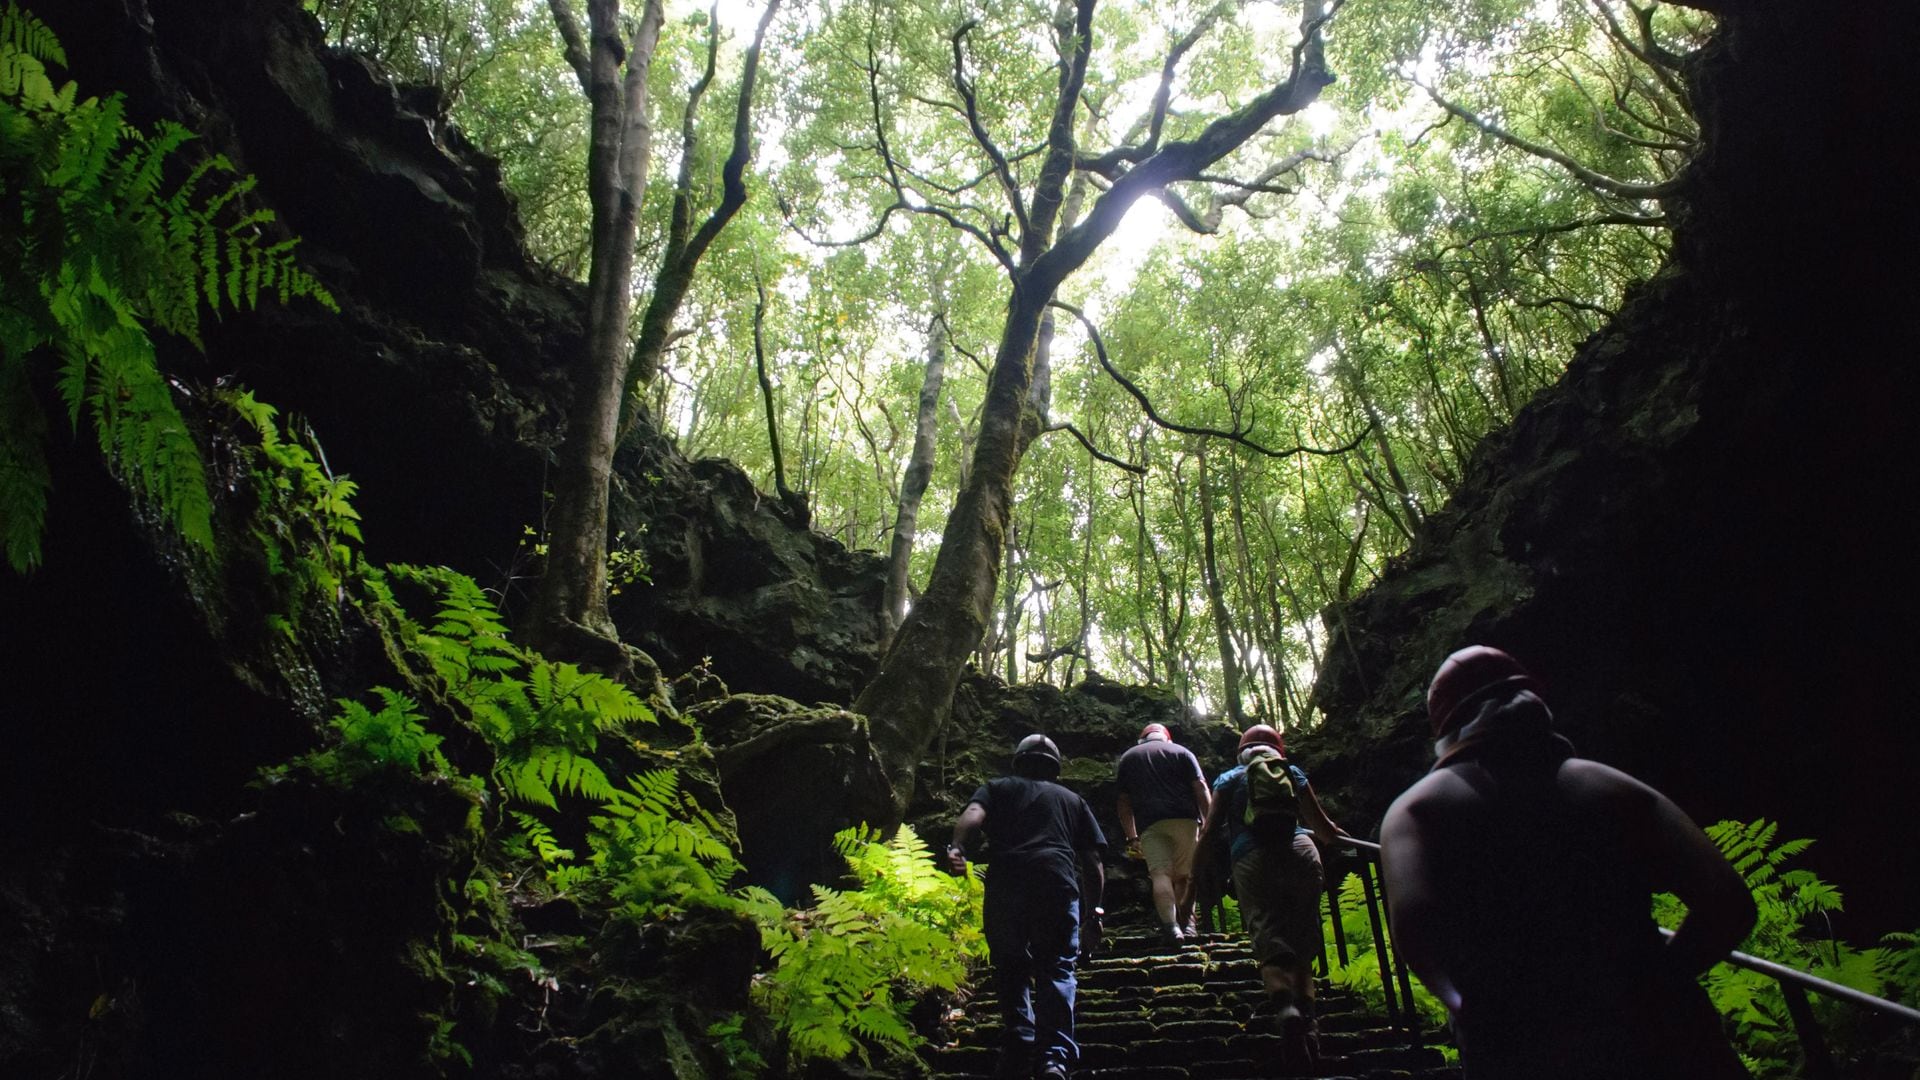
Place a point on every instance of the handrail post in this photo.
(1399, 972)
(1379, 937)
(1334, 880)
(1816, 1063)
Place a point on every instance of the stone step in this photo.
(1148, 1010)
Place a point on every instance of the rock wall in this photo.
(440, 387)
(155, 907)
(1697, 538)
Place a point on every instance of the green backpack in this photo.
(1273, 804)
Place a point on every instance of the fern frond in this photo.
(550, 771)
(27, 45)
(24, 477)
(541, 839)
(23, 34)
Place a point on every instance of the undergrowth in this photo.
(1795, 928)
(847, 971)
(108, 234)
(112, 235)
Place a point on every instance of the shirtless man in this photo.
(1519, 880)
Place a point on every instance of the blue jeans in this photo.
(1032, 924)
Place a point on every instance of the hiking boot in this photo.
(1171, 934)
(1271, 1014)
(1299, 1039)
(1053, 1070)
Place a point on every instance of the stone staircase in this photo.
(1153, 1011)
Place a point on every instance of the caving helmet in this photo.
(1260, 735)
(1464, 678)
(1036, 757)
(1154, 731)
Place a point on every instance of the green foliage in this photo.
(741, 1058)
(846, 969)
(1793, 929)
(303, 521)
(378, 741)
(1361, 973)
(97, 249)
(658, 851)
(543, 718)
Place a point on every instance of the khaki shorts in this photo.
(1167, 845)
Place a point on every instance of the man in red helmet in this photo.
(1276, 873)
(1163, 798)
(1519, 880)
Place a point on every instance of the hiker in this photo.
(1267, 809)
(1038, 833)
(1519, 879)
(1163, 799)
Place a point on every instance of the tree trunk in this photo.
(1217, 599)
(570, 607)
(912, 693)
(913, 486)
(795, 502)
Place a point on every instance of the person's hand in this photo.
(1133, 848)
(956, 860)
(1090, 932)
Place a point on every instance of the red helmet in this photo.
(1154, 731)
(1464, 676)
(1262, 735)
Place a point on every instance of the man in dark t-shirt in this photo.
(1163, 799)
(1038, 835)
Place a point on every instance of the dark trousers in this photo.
(1033, 937)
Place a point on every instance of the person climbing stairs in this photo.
(1149, 1010)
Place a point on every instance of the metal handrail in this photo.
(1794, 983)
(1393, 967)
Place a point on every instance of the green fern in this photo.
(374, 741)
(303, 523)
(846, 971)
(543, 718)
(1794, 907)
(95, 252)
(542, 841)
(1361, 974)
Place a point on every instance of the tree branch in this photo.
(1208, 223)
(1146, 404)
(978, 127)
(573, 43)
(1062, 425)
(1186, 159)
(676, 272)
(1623, 189)
(1107, 163)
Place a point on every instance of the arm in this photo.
(1678, 858)
(1314, 816)
(964, 830)
(1720, 908)
(1210, 818)
(1202, 797)
(1093, 878)
(1414, 911)
(1093, 889)
(1123, 809)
